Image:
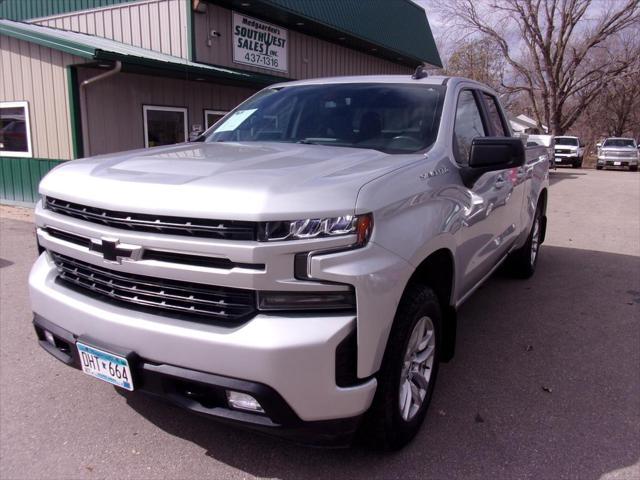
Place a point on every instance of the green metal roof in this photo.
(396, 29)
(25, 9)
(134, 58)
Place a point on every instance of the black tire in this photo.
(521, 263)
(575, 165)
(383, 427)
(633, 168)
(599, 167)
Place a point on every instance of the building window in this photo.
(15, 132)
(212, 116)
(164, 125)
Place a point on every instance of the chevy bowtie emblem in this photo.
(113, 251)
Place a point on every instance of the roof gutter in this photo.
(117, 68)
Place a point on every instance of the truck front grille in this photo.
(621, 154)
(229, 305)
(140, 222)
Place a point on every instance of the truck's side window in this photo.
(494, 116)
(468, 126)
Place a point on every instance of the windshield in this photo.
(388, 117)
(566, 141)
(618, 142)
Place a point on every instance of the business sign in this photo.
(259, 44)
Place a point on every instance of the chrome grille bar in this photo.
(196, 227)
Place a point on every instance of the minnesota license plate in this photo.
(617, 164)
(105, 366)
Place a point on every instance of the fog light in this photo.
(48, 336)
(243, 401)
(283, 301)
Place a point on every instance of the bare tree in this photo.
(476, 59)
(618, 107)
(616, 110)
(560, 52)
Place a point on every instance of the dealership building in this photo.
(88, 77)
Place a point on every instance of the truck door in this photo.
(492, 216)
(515, 178)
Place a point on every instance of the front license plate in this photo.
(558, 160)
(105, 366)
(617, 164)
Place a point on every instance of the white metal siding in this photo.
(159, 25)
(38, 75)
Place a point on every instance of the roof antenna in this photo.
(421, 72)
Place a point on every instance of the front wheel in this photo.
(633, 168)
(408, 373)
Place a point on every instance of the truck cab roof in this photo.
(405, 79)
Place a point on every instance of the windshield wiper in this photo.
(316, 141)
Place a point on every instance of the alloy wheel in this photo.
(535, 240)
(417, 368)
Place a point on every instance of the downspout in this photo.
(117, 67)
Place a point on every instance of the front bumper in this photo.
(619, 162)
(565, 158)
(205, 393)
(294, 355)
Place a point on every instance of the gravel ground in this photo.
(545, 383)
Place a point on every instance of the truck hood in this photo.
(619, 149)
(237, 181)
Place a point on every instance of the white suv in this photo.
(568, 151)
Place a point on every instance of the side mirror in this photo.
(492, 153)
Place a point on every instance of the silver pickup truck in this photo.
(298, 267)
(620, 153)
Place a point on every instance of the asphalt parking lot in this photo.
(545, 383)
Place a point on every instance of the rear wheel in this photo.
(522, 262)
(408, 372)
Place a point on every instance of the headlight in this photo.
(360, 225)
